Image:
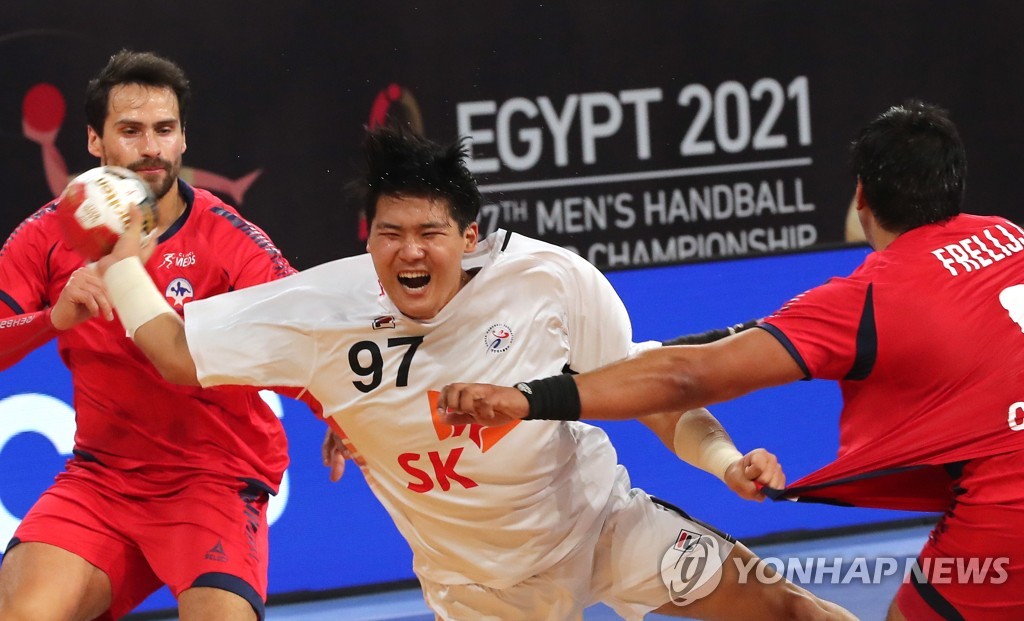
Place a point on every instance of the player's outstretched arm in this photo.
(658, 380)
(149, 320)
(699, 439)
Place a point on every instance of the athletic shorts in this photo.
(972, 566)
(643, 554)
(145, 531)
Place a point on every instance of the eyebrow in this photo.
(426, 225)
(132, 122)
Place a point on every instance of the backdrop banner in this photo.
(638, 135)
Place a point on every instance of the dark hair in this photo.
(127, 67)
(911, 165)
(400, 163)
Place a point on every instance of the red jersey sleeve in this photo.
(24, 259)
(827, 329)
(24, 266)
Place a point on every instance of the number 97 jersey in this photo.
(531, 310)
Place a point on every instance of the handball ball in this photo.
(93, 209)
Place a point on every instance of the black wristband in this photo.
(711, 335)
(552, 398)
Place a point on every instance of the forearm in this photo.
(20, 334)
(162, 339)
(701, 441)
(657, 380)
(150, 321)
(665, 379)
(680, 378)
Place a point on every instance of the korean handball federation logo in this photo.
(498, 338)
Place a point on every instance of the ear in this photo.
(184, 142)
(94, 142)
(471, 235)
(858, 197)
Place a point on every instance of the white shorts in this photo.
(644, 555)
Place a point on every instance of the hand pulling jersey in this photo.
(127, 416)
(925, 338)
(477, 505)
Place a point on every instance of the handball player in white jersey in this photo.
(527, 521)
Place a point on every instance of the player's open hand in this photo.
(758, 468)
(82, 298)
(131, 243)
(484, 404)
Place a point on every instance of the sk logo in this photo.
(483, 437)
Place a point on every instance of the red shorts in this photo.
(973, 564)
(145, 531)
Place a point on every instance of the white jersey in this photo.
(477, 505)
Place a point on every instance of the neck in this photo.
(169, 208)
(879, 238)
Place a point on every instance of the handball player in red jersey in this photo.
(925, 340)
(167, 485)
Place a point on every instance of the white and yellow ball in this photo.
(93, 209)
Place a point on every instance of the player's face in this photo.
(142, 132)
(417, 251)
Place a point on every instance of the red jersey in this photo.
(127, 416)
(929, 361)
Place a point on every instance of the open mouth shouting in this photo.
(413, 280)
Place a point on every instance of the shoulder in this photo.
(45, 216)
(527, 253)
(215, 212)
(835, 296)
(221, 220)
(41, 224)
(341, 275)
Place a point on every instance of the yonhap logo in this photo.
(692, 567)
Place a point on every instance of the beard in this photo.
(162, 187)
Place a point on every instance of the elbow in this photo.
(684, 381)
(182, 374)
(685, 389)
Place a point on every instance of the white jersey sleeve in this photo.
(268, 335)
(248, 337)
(600, 331)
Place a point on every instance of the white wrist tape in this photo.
(714, 454)
(133, 294)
